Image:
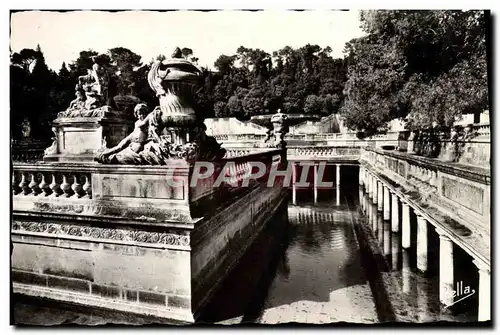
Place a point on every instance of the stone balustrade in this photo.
(140, 239)
(324, 152)
(455, 195)
(39, 180)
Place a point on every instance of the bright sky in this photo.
(63, 35)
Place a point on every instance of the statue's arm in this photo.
(119, 147)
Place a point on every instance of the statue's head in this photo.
(141, 111)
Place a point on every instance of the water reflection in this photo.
(416, 297)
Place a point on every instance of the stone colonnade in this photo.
(297, 179)
(387, 201)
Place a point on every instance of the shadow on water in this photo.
(243, 292)
(305, 255)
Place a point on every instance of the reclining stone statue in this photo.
(173, 130)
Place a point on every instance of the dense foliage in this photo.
(424, 66)
(251, 82)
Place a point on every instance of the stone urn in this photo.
(280, 124)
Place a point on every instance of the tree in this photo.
(224, 64)
(313, 104)
(186, 52)
(124, 61)
(416, 64)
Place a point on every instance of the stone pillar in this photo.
(406, 272)
(337, 186)
(406, 234)
(421, 244)
(387, 204)
(445, 268)
(373, 208)
(315, 185)
(395, 213)
(484, 308)
(361, 182)
(368, 184)
(361, 199)
(387, 238)
(375, 191)
(380, 227)
(395, 249)
(380, 200)
(294, 187)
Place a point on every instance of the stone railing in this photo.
(324, 152)
(45, 180)
(28, 150)
(459, 194)
(95, 189)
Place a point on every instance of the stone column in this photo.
(380, 227)
(315, 183)
(294, 187)
(406, 272)
(361, 176)
(421, 244)
(380, 200)
(361, 199)
(406, 234)
(445, 268)
(395, 213)
(395, 249)
(375, 191)
(368, 184)
(387, 204)
(373, 208)
(337, 186)
(484, 308)
(387, 238)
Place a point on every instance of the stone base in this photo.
(168, 271)
(80, 138)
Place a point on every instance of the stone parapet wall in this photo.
(122, 237)
(456, 195)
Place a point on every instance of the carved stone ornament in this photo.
(172, 130)
(102, 233)
(94, 91)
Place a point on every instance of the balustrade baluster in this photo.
(66, 187)
(87, 188)
(44, 186)
(54, 186)
(34, 185)
(15, 188)
(76, 187)
(24, 185)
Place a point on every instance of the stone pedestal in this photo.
(79, 139)
(141, 240)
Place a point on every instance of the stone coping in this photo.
(473, 173)
(94, 167)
